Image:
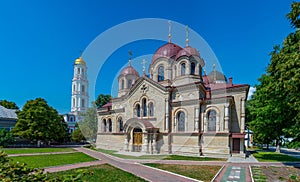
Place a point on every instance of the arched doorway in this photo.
(137, 139)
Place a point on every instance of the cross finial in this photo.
(130, 57)
(80, 53)
(187, 36)
(144, 66)
(169, 35)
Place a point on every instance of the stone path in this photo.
(235, 169)
(147, 173)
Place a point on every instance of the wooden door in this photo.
(137, 139)
(235, 145)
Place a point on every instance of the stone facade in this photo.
(175, 109)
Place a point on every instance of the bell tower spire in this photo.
(80, 96)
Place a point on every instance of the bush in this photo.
(5, 138)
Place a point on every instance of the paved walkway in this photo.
(147, 173)
(235, 169)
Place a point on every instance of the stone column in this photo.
(196, 119)
(205, 123)
(166, 115)
(126, 144)
(154, 143)
(145, 147)
(226, 118)
(243, 101)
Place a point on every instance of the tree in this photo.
(8, 104)
(77, 135)
(102, 100)
(88, 125)
(38, 121)
(276, 102)
(5, 138)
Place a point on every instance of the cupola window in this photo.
(161, 74)
(182, 69)
(193, 67)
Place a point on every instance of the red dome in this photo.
(168, 50)
(129, 70)
(188, 51)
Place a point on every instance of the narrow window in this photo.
(161, 74)
(109, 125)
(212, 118)
(129, 83)
(78, 70)
(181, 121)
(151, 109)
(82, 88)
(138, 110)
(82, 103)
(193, 67)
(120, 121)
(104, 125)
(74, 102)
(144, 105)
(182, 69)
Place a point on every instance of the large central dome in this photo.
(168, 50)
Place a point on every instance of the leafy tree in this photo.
(8, 104)
(102, 100)
(11, 171)
(5, 138)
(77, 135)
(275, 107)
(88, 125)
(40, 122)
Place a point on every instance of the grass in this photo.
(274, 157)
(258, 175)
(159, 157)
(199, 172)
(103, 172)
(35, 150)
(40, 161)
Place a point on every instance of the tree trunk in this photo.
(277, 146)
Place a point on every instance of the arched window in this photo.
(109, 125)
(104, 125)
(193, 67)
(122, 84)
(175, 71)
(74, 105)
(144, 105)
(182, 69)
(212, 119)
(120, 122)
(129, 83)
(138, 110)
(78, 70)
(82, 88)
(161, 74)
(151, 109)
(181, 121)
(74, 88)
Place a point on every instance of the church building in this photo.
(175, 108)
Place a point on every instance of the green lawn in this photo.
(274, 157)
(41, 161)
(160, 157)
(35, 150)
(103, 172)
(199, 172)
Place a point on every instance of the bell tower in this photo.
(80, 96)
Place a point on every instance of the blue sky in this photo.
(39, 40)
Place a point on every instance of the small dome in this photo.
(79, 61)
(129, 70)
(188, 51)
(168, 50)
(217, 76)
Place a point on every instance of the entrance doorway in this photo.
(137, 139)
(235, 145)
